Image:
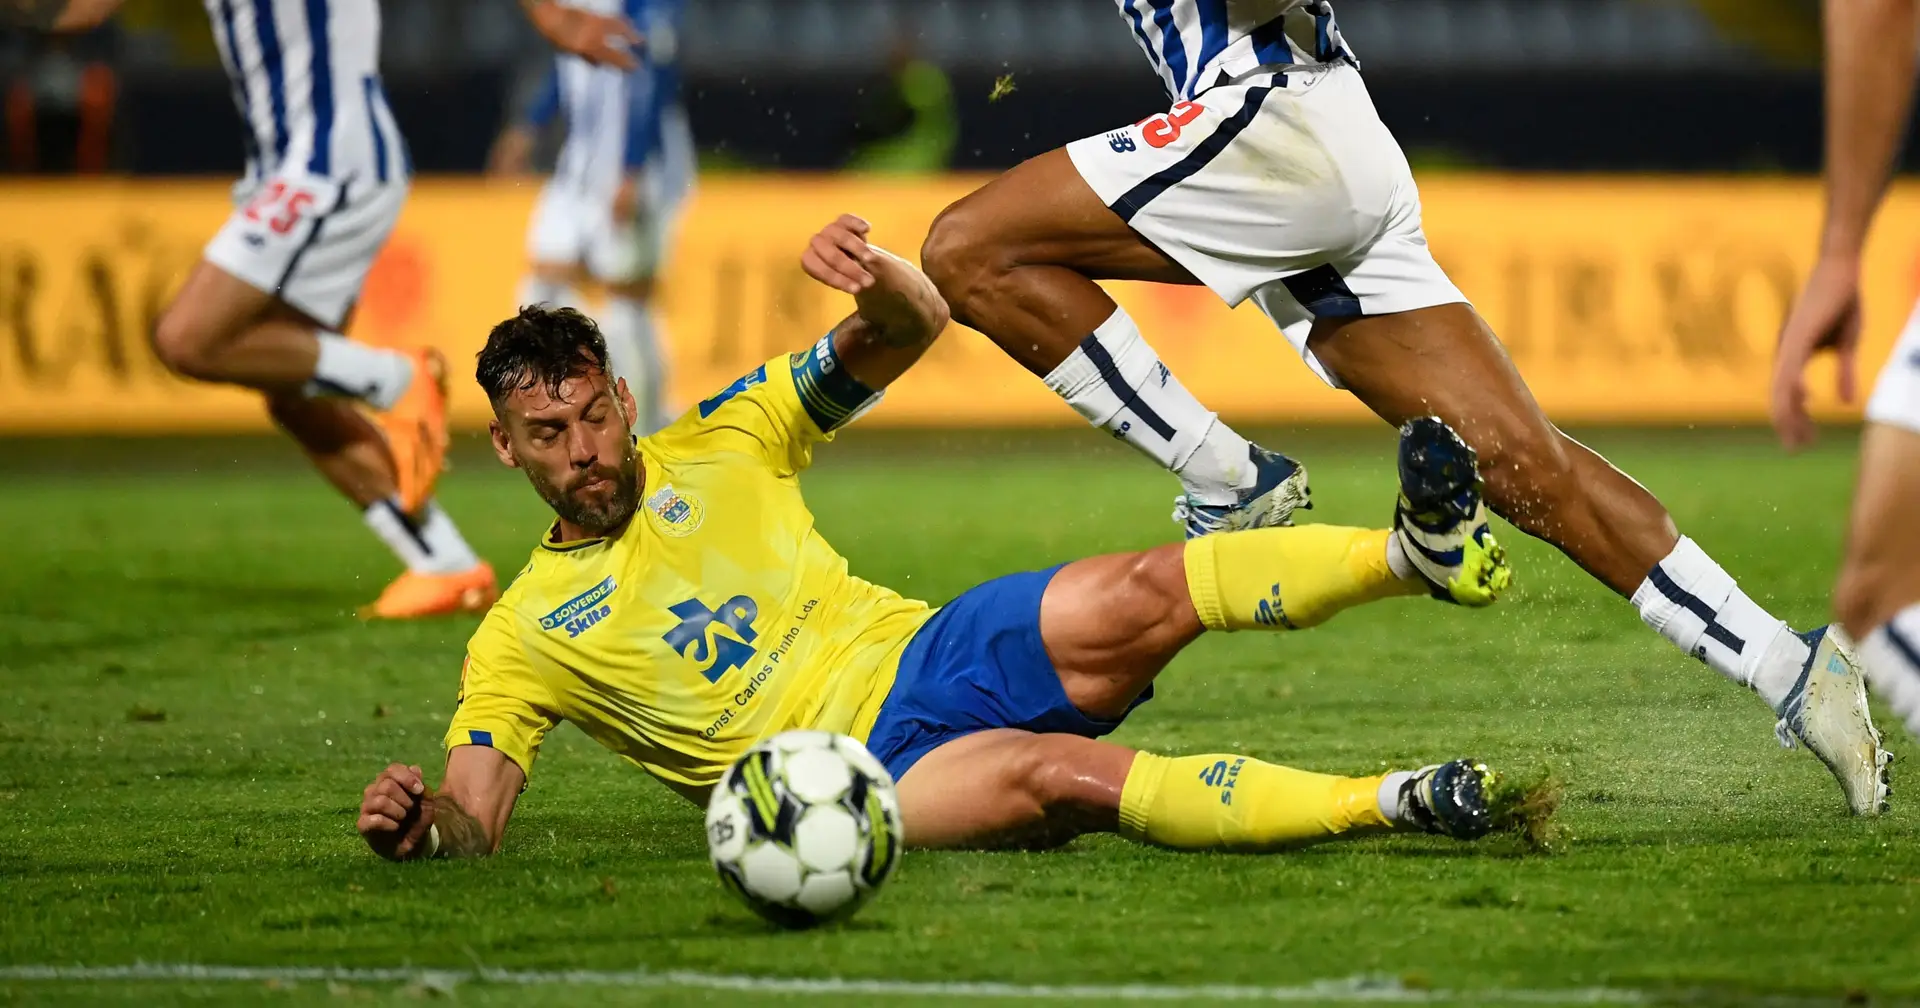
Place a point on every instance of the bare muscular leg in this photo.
(1017, 259)
(222, 329)
(1881, 572)
(1444, 361)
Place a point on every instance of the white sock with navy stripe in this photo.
(427, 544)
(1691, 601)
(1116, 381)
(1892, 657)
(351, 370)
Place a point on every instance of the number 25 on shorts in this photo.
(1161, 130)
(285, 203)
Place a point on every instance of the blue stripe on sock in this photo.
(1110, 373)
(1904, 646)
(1694, 604)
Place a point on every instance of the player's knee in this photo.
(1155, 586)
(183, 344)
(957, 256)
(1051, 776)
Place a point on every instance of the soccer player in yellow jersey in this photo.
(683, 606)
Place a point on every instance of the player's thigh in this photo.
(211, 307)
(1881, 574)
(1041, 213)
(1006, 787)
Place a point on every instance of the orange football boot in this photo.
(414, 595)
(416, 429)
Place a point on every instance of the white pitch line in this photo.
(1354, 989)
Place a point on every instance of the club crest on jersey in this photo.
(674, 513)
(580, 613)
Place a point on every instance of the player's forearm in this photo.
(902, 315)
(1870, 66)
(460, 835)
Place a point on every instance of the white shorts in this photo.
(307, 240)
(573, 227)
(1284, 188)
(1896, 394)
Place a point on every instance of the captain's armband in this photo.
(832, 397)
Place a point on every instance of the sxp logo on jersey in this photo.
(698, 636)
(674, 513)
(578, 614)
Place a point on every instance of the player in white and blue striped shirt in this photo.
(1870, 82)
(606, 215)
(1196, 44)
(1272, 178)
(326, 175)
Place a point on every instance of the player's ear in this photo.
(623, 396)
(502, 447)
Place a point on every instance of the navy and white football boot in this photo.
(1441, 519)
(1279, 489)
(1450, 799)
(1827, 712)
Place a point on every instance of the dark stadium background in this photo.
(1535, 85)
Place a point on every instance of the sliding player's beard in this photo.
(606, 506)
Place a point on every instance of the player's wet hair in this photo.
(540, 346)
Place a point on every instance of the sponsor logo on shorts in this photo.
(580, 613)
(675, 513)
(1223, 775)
(254, 240)
(1121, 143)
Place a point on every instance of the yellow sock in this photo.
(1288, 578)
(1233, 803)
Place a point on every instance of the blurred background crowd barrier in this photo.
(1620, 298)
(1622, 186)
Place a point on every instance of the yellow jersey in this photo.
(718, 616)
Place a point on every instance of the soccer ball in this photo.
(804, 828)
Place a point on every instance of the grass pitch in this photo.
(190, 711)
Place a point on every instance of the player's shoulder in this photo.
(748, 402)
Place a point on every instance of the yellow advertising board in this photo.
(1621, 299)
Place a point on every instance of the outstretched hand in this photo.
(892, 294)
(1826, 316)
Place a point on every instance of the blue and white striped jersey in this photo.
(615, 119)
(1195, 44)
(306, 80)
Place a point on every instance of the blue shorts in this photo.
(978, 664)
